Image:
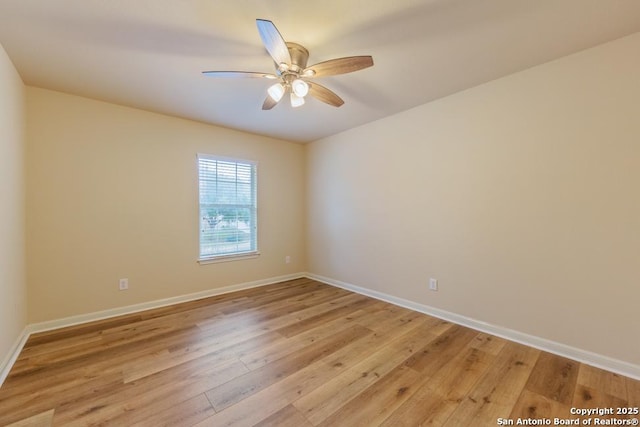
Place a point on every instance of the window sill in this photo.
(228, 258)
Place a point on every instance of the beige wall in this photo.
(12, 192)
(521, 196)
(113, 194)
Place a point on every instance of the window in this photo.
(228, 213)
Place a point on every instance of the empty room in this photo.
(337, 213)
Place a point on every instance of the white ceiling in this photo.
(149, 53)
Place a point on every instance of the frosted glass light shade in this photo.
(276, 91)
(300, 87)
(296, 100)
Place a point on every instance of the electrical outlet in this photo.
(287, 259)
(124, 284)
(433, 284)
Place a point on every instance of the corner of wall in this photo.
(13, 287)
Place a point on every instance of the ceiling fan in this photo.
(292, 74)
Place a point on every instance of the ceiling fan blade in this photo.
(269, 103)
(325, 95)
(238, 74)
(273, 41)
(345, 65)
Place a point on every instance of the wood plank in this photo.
(66, 389)
(215, 325)
(132, 402)
(497, 391)
(439, 352)
(285, 346)
(378, 401)
(263, 404)
(422, 408)
(103, 357)
(391, 323)
(455, 379)
(587, 397)
(488, 343)
(608, 382)
(78, 330)
(186, 413)
(438, 396)
(43, 419)
(362, 348)
(341, 309)
(535, 406)
(381, 313)
(286, 417)
(226, 348)
(62, 343)
(331, 396)
(633, 392)
(554, 377)
(230, 393)
(267, 402)
(267, 297)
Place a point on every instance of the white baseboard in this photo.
(106, 314)
(12, 356)
(583, 356)
(10, 359)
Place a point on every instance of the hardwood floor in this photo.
(298, 353)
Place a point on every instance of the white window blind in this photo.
(228, 213)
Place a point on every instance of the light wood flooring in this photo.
(297, 353)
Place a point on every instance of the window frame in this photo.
(252, 253)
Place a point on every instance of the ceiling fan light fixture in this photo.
(276, 92)
(291, 71)
(300, 88)
(296, 101)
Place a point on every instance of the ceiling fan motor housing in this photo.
(299, 56)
